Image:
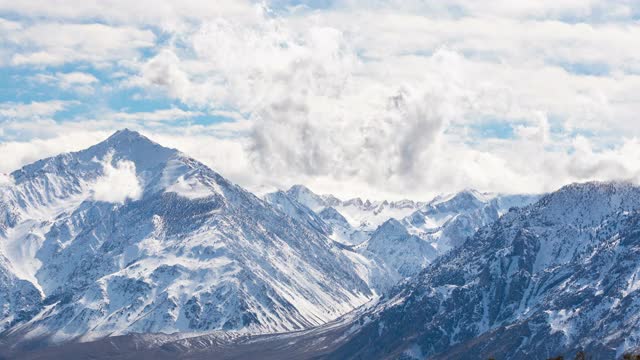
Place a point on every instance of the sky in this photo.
(378, 98)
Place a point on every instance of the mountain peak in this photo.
(131, 145)
(465, 198)
(390, 228)
(305, 196)
(300, 189)
(124, 144)
(126, 136)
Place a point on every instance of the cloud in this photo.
(162, 115)
(328, 100)
(118, 183)
(56, 43)
(80, 82)
(168, 14)
(32, 110)
(381, 98)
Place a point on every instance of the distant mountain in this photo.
(401, 245)
(129, 236)
(364, 215)
(548, 279)
(392, 245)
(284, 203)
(447, 221)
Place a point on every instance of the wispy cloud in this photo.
(162, 115)
(32, 110)
(80, 82)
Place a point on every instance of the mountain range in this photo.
(132, 250)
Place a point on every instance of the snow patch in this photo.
(560, 321)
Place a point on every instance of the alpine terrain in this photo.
(168, 245)
(132, 250)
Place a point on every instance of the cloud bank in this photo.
(382, 99)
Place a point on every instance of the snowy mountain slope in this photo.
(284, 203)
(544, 280)
(369, 265)
(547, 279)
(361, 214)
(172, 246)
(406, 254)
(401, 248)
(406, 247)
(447, 221)
(383, 256)
(19, 299)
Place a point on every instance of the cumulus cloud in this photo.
(383, 98)
(118, 183)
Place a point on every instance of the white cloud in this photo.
(118, 183)
(320, 111)
(382, 97)
(80, 82)
(33, 110)
(56, 43)
(162, 115)
(168, 14)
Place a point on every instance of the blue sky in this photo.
(394, 99)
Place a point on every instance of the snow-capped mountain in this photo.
(392, 245)
(284, 203)
(545, 280)
(369, 264)
(361, 214)
(553, 278)
(401, 246)
(447, 221)
(20, 299)
(129, 236)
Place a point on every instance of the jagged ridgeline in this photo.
(134, 250)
